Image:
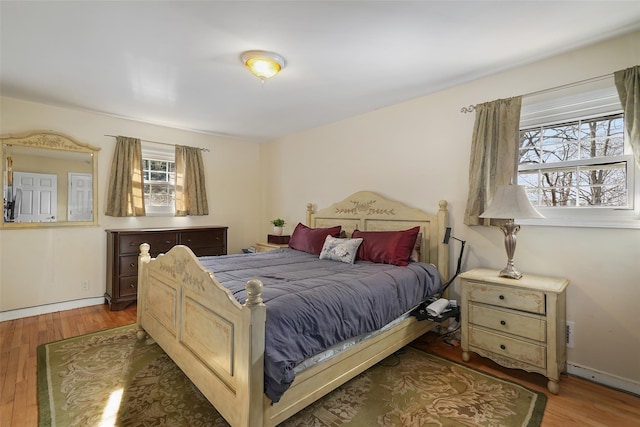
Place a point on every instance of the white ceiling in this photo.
(177, 63)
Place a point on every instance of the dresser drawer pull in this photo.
(503, 347)
(502, 322)
(189, 240)
(132, 264)
(501, 297)
(132, 285)
(132, 243)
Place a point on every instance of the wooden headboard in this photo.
(367, 211)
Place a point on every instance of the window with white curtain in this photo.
(574, 160)
(159, 177)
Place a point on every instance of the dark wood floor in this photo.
(580, 402)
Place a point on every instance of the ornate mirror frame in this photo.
(58, 142)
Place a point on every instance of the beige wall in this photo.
(418, 152)
(46, 266)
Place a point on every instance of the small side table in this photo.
(516, 323)
(266, 247)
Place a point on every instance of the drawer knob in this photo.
(132, 243)
(501, 297)
(167, 241)
(502, 322)
(503, 347)
(132, 264)
(132, 285)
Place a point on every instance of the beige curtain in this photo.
(125, 196)
(191, 193)
(628, 85)
(494, 154)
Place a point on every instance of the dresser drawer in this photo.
(159, 242)
(517, 323)
(522, 351)
(203, 239)
(128, 265)
(517, 299)
(128, 286)
(209, 251)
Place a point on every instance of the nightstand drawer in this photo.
(517, 299)
(522, 351)
(517, 323)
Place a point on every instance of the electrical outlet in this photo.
(85, 285)
(570, 331)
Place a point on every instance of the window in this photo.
(574, 162)
(159, 177)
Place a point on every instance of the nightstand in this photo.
(516, 323)
(266, 247)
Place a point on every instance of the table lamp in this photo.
(510, 202)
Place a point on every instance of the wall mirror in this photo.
(49, 180)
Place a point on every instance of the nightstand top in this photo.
(531, 281)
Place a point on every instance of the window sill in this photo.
(627, 222)
(161, 214)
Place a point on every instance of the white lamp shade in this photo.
(511, 202)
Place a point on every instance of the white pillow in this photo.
(343, 250)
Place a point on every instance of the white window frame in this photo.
(151, 151)
(598, 100)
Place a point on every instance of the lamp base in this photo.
(510, 229)
(510, 272)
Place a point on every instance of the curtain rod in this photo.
(161, 143)
(472, 108)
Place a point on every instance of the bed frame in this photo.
(219, 343)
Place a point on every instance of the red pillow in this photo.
(311, 240)
(387, 247)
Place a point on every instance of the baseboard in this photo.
(604, 378)
(49, 308)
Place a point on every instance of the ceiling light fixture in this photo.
(262, 64)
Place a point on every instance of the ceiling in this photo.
(177, 63)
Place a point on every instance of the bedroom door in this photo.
(36, 197)
(80, 204)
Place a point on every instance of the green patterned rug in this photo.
(109, 378)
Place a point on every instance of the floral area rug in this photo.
(110, 378)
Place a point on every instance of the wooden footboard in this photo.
(217, 342)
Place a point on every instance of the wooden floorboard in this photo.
(580, 402)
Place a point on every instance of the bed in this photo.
(220, 342)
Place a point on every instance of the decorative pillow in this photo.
(343, 250)
(415, 252)
(387, 247)
(311, 240)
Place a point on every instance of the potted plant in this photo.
(278, 223)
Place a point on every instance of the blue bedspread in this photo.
(313, 304)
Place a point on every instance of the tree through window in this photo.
(580, 163)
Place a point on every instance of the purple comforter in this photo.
(313, 304)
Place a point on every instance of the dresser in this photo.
(516, 323)
(123, 248)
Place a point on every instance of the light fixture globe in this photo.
(262, 64)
